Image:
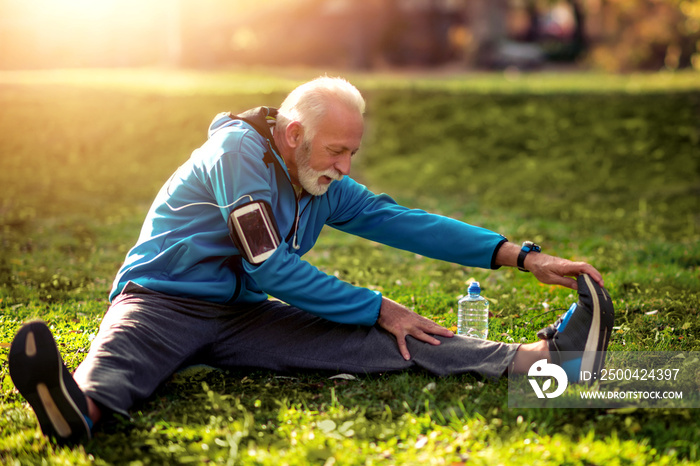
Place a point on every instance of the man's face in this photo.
(327, 157)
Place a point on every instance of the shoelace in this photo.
(549, 331)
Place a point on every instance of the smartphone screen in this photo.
(257, 235)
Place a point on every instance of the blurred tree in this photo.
(645, 34)
(487, 21)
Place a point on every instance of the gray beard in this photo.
(308, 177)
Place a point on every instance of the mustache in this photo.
(332, 174)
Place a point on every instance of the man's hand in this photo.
(557, 271)
(400, 322)
(548, 269)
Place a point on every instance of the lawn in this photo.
(598, 168)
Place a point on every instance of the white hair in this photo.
(309, 102)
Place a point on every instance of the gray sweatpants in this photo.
(146, 336)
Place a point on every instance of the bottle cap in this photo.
(474, 288)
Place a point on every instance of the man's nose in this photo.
(342, 165)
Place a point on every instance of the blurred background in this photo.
(610, 35)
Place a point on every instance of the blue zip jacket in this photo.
(184, 248)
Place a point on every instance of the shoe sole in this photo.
(37, 370)
(603, 318)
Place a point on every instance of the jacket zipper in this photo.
(297, 200)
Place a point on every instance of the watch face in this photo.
(530, 246)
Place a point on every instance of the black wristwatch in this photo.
(528, 247)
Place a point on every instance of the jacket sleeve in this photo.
(285, 275)
(379, 218)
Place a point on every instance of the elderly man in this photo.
(229, 229)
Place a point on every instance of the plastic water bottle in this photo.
(473, 314)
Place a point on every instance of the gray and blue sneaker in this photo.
(578, 340)
(38, 372)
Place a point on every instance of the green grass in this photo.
(596, 168)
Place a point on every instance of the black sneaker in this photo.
(578, 340)
(38, 372)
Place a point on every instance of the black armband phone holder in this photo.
(254, 231)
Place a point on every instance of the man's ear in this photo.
(294, 134)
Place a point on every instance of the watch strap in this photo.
(527, 248)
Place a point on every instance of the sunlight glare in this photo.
(76, 11)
